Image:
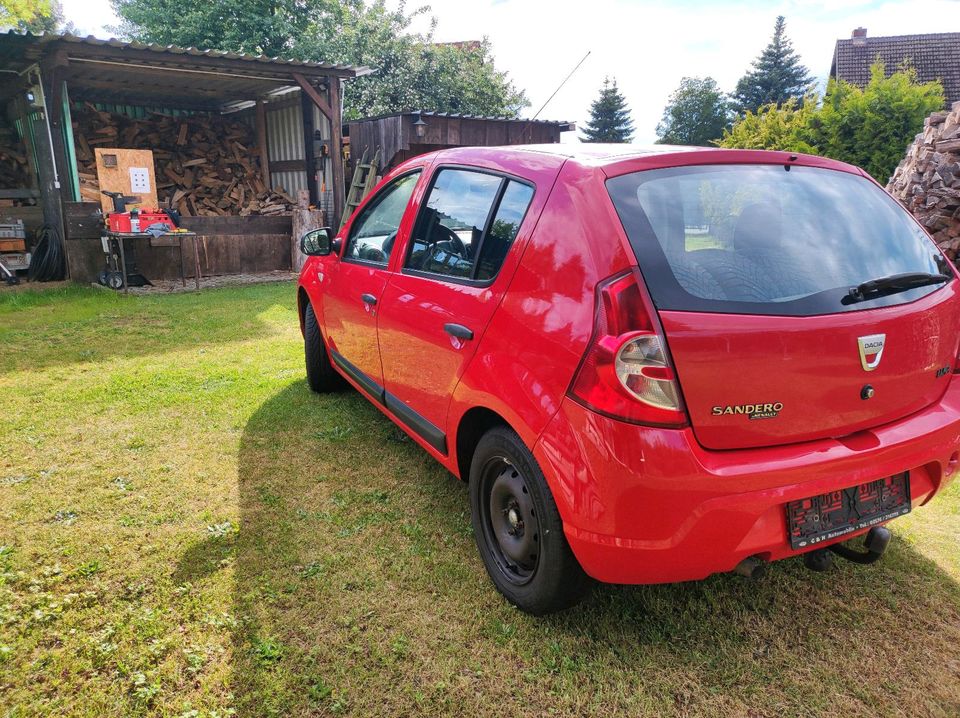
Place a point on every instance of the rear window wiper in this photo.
(893, 284)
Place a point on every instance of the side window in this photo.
(373, 233)
(503, 230)
(467, 225)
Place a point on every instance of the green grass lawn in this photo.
(185, 530)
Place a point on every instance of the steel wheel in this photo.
(511, 526)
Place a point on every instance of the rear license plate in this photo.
(829, 516)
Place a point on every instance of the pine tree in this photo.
(775, 77)
(609, 117)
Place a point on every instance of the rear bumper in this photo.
(648, 505)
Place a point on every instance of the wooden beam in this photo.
(336, 147)
(312, 93)
(262, 143)
(288, 166)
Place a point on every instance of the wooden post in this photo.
(50, 198)
(52, 73)
(262, 143)
(310, 161)
(336, 146)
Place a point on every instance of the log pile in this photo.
(14, 170)
(205, 165)
(927, 181)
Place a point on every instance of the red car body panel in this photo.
(804, 363)
(648, 505)
(640, 504)
(422, 364)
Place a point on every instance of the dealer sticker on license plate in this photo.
(837, 513)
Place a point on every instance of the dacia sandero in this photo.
(648, 365)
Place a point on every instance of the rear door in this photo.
(758, 274)
(456, 266)
(356, 282)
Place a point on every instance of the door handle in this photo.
(458, 330)
(368, 299)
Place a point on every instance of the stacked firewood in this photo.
(205, 165)
(927, 181)
(14, 170)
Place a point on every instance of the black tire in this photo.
(321, 376)
(518, 528)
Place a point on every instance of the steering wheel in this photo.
(374, 254)
(458, 248)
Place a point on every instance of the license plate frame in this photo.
(829, 516)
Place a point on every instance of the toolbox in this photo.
(12, 230)
(137, 221)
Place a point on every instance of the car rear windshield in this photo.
(769, 239)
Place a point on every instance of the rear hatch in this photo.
(798, 303)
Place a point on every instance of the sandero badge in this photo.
(752, 411)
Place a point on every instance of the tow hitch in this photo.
(875, 543)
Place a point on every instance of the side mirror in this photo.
(317, 243)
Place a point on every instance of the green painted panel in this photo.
(71, 150)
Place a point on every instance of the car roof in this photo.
(584, 152)
(615, 157)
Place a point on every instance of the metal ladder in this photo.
(364, 177)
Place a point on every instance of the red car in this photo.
(649, 365)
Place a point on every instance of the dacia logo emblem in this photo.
(871, 350)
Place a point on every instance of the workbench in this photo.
(117, 240)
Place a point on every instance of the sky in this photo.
(647, 46)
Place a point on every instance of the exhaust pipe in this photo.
(751, 567)
(876, 542)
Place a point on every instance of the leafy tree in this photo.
(870, 127)
(412, 71)
(13, 12)
(609, 117)
(52, 22)
(775, 77)
(785, 128)
(267, 27)
(696, 114)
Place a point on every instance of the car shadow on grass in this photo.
(358, 591)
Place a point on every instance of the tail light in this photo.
(626, 371)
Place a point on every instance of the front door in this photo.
(357, 281)
(436, 308)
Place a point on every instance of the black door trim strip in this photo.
(426, 430)
(366, 383)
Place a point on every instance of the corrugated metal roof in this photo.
(935, 56)
(339, 69)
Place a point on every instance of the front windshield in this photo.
(767, 239)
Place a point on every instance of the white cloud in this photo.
(91, 17)
(648, 45)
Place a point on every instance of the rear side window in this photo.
(764, 239)
(468, 223)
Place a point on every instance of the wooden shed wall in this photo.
(396, 138)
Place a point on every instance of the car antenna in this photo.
(559, 87)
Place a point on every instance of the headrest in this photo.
(759, 227)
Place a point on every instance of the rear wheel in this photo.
(518, 528)
(321, 376)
